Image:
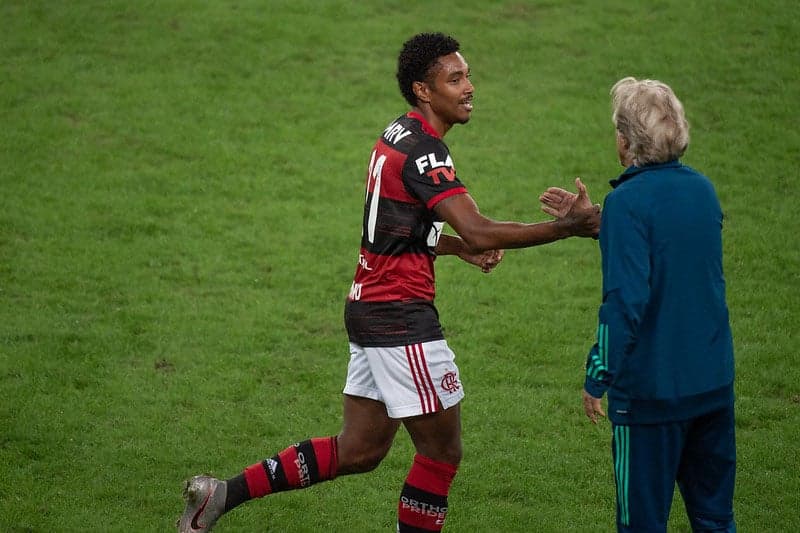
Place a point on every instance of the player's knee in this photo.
(450, 451)
(702, 524)
(450, 454)
(366, 461)
(453, 455)
(361, 457)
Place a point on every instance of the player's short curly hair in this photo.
(418, 56)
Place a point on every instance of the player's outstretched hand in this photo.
(557, 202)
(582, 216)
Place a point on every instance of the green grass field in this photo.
(181, 186)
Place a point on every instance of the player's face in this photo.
(451, 90)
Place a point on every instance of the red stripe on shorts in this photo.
(418, 361)
(414, 375)
(434, 399)
(425, 390)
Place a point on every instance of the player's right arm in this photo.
(481, 233)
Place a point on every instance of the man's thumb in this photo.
(581, 188)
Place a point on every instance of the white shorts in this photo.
(410, 380)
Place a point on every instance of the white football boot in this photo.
(205, 503)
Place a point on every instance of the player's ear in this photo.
(622, 141)
(421, 91)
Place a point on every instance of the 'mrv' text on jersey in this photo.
(394, 132)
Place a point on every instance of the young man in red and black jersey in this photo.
(401, 369)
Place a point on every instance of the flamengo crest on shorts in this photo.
(410, 380)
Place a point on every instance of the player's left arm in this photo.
(626, 292)
(454, 245)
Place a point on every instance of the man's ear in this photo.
(623, 144)
(622, 141)
(421, 91)
(623, 150)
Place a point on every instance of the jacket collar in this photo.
(633, 170)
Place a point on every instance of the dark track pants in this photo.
(700, 454)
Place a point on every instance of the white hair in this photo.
(651, 118)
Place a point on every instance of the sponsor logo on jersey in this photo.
(355, 291)
(363, 261)
(394, 133)
(439, 170)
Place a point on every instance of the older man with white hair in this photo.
(664, 351)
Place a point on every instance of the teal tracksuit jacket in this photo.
(664, 350)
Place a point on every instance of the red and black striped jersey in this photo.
(391, 299)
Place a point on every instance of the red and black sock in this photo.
(423, 501)
(298, 466)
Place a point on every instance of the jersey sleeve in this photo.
(429, 173)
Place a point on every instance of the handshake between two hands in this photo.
(575, 209)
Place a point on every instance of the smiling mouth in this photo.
(467, 104)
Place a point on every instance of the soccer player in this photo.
(664, 351)
(401, 370)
